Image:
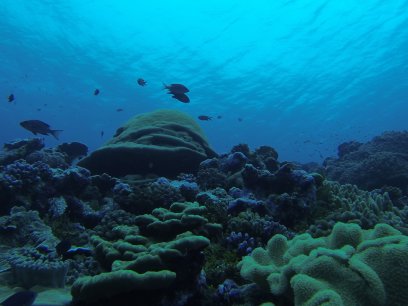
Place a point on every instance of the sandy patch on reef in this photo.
(46, 296)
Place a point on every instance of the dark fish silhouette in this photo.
(119, 110)
(176, 88)
(240, 119)
(63, 247)
(102, 133)
(181, 97)
(22, 298)
(39, 127)
(219, 117)
(96, 92)
(204, 117)
(141, 82)
(11, 98)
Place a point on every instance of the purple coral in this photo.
(242, 242)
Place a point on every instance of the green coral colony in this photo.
(156, 217)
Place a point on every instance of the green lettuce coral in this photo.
(349, 267)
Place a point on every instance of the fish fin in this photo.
(165, 86)
(56, 133)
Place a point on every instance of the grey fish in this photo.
(39, 127)
(22, 298)
(176, 88)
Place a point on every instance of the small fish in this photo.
(204, 117)
(10, 98)
(119, 109)
(219, 117)
(39, 127)
(62, 247)
(141, 82)
(38, 109)
(22, 298)
(96, 92)
(102, 133)
(176, 88)
(181, 97)
(77, 251)
(240, 119)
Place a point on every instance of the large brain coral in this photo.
(164, 142)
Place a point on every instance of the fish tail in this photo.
(56, 133)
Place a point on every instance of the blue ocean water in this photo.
(303, 76)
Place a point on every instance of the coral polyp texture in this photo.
(351, 266)
(163, 142)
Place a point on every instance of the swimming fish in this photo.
(181, 97)
(102, 133)
(204, 117)
(39, 127)
(240, 119)
(62, 247)
(11, 98)
(96, 92)
(141, 82)
(22, 298)
(119, 109)
(219, 117)
(176, 88)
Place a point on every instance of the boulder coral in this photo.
(383, 161)
(163, 142)
(351, 266)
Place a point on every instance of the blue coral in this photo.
(121, 189)
(228, 291)
(242, 204)
(234, 162)
(20, 174)
(72, 180)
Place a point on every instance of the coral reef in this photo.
(176, 237)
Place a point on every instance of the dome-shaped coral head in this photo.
(162, 143)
